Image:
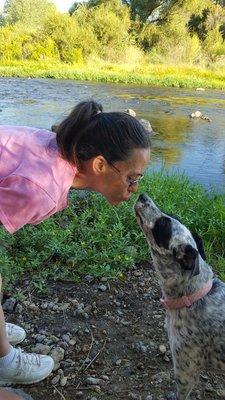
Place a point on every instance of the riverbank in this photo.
(183, 76)
(90, 237)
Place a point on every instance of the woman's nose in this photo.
(133, 188)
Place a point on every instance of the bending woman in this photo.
(106, 152)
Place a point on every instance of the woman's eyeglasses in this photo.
(130, 181)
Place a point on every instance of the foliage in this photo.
(31, 13)
(118, 31)
(92, 237)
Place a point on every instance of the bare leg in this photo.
(4, 343)
(6, 395)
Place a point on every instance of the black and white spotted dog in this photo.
(193, 297)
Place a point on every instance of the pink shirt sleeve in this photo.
(22, 202)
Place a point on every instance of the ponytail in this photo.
(88, 132)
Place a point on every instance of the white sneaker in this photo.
(26, 368)
(15, 334)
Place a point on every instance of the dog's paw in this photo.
(171, 396)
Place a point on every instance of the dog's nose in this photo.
(143, 198)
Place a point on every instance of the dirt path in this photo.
(107, 338)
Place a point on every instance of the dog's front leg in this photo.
(186, 378)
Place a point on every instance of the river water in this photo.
(195, 147)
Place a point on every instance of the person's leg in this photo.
(6, 395)
(4, 343)
(17, 366)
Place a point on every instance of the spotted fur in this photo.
(196, 333)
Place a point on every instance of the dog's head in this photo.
(169, 239)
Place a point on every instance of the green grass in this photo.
(184, 76)
(90, 237)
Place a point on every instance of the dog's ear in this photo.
(187, 257)
(199, 243)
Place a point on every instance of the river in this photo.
(193, 146)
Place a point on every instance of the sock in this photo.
(6, 360)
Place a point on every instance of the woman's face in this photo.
(121, 179)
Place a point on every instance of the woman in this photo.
(106, 152)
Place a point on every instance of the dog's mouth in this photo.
(139, 218)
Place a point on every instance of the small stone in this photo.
(221, 393)
(66, 338)
(93, 381)
(162, 349)
(196, 114)
(9, 304)
(88, 278)
(102, 288)
(41, 349)
(79, 395)
(19, 309)
(146, 124)
(200, 89)
(149, 397)
(105, 377)
(63, 381)
(55, 380)
(72, 342)
(130, 112)
(118, 362)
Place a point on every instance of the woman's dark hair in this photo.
(88, 132)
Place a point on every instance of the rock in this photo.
(196, 114)
(55, 380)
(206, 118)
(162, 377)
(141, 347)
(88, 278)
(19, 309)
(221, 393)
(63, 381)
(200, 89)
(9, 304)
(133, 396)
(40, 338)
(79, 395)
(94, 381)
(146, 124)
(162, 349)
(149, 397)
(102, 288)
(58, 355)
(40, 348)
(66, 338)
(72, 342)
(130, 112)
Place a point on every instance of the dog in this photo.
(193, 297)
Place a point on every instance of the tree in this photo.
(30, 13)
(140, 9)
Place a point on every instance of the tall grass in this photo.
(184, 76)
(90, 237)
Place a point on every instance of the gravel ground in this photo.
(107, 339)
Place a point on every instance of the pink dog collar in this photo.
(187, 301)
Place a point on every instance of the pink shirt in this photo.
(34, 179)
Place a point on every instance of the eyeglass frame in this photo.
(130, 181)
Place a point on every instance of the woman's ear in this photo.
(99, 165)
